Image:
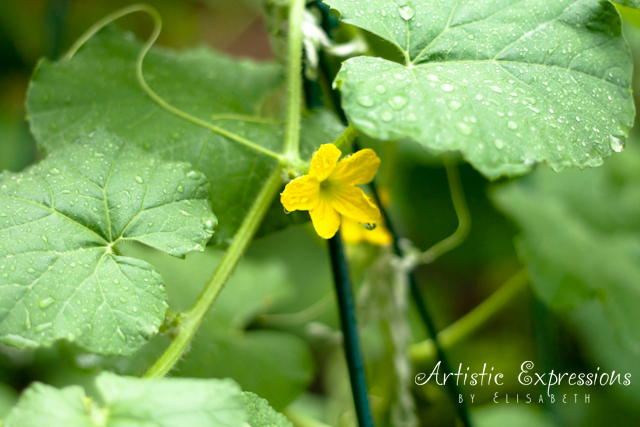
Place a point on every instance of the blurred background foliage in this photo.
(275, 329)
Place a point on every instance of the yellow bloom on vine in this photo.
(329, 190)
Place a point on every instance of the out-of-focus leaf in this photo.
(135, 402)
(509, 415)
(581, 238)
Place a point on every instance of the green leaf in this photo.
(61, 222)
(98, 87)
(506, 83)
(132, 402)
(581, 238)
(276, 365)
(507, 416)
(8, 398)
(261, 414)
(629, 3)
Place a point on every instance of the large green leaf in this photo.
(507, 83)
(61, 221)
(133, 402)
(581, 238)
(98, 87)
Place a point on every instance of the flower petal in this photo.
(324, 161)
(301, 194)
(351, 202)
(326, 219)
(358, 169)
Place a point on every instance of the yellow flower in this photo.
(329, 190)
(354, 233)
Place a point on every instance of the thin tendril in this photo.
(462, 212)
(157, 27)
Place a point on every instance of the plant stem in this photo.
(346, 307)
(346, 137)
(191, 320)
(294, 82)
(462, 212)
(425, 351)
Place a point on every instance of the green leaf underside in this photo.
(261, 414)
(580, 239)
(98, 87)
(60, 223)
(508, 83)
(127, 401)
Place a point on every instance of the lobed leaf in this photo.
(581, 239)
(507, 83)
(61, 222)
(133, 402)
(98, 87)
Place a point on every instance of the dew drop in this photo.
(195, 175)
(381, 89)
(180, 189)
(411, 118)
(617, 144)
(43, 326)
(139, 180)
(398, 76)
(398, 102)
(44, 303)
(455, 105)
(365, 101)
(55, 171)
(479, 97)
(433, 78)
(512, 125)
(406, 12)
(447, 87)
(387, 116)
(496, 89)
(498, 143)
(464, 128)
